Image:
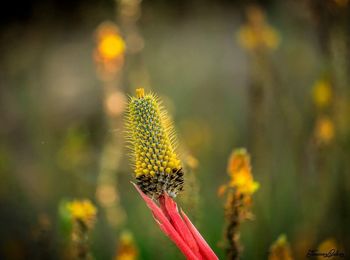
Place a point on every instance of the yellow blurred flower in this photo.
(257, 33)
(324, 131)
(110, 44)
(82, 210)
(126, 249)
(83, 215)
(109, 51)
(327, 246)
(239, 169)
(251, 38)
(280, 249)
(238, 198)
(322, 93)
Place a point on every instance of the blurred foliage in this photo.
(231, 75)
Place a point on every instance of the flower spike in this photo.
(179, 229)
(159, 174)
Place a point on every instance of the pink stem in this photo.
(171, 210)
(206, 251)
(166, 226)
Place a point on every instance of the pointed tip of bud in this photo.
(140, 92)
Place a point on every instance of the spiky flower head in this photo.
(152, 140)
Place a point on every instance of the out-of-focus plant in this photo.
(238, 191)
(260, 40)
(331, 23)
(324, 130)
(322, 93)
(159, 174)
(109, 59)
(127, 249)
(42, 236)
(109, 51)
(280, 249)
(257, 33)
(82, 217)
(322, 96)
(128, 14)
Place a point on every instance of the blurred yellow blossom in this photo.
(110, 44)
(82, 210)
(328, 246)
(239, 169)
(257, 33)
(126, 249)
(83, 216)
(109, 51)
(280, 249)
(322, 93)
(238, 192)
(324, 131)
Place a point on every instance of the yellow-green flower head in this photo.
(152, 139)
(83, 210)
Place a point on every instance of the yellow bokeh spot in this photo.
(109, 54)
(111, 46)
(106, 194)
(324, 132)
(326, 246)
(115, 103)
(322, 93)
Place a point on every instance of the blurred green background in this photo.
(56, 135)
